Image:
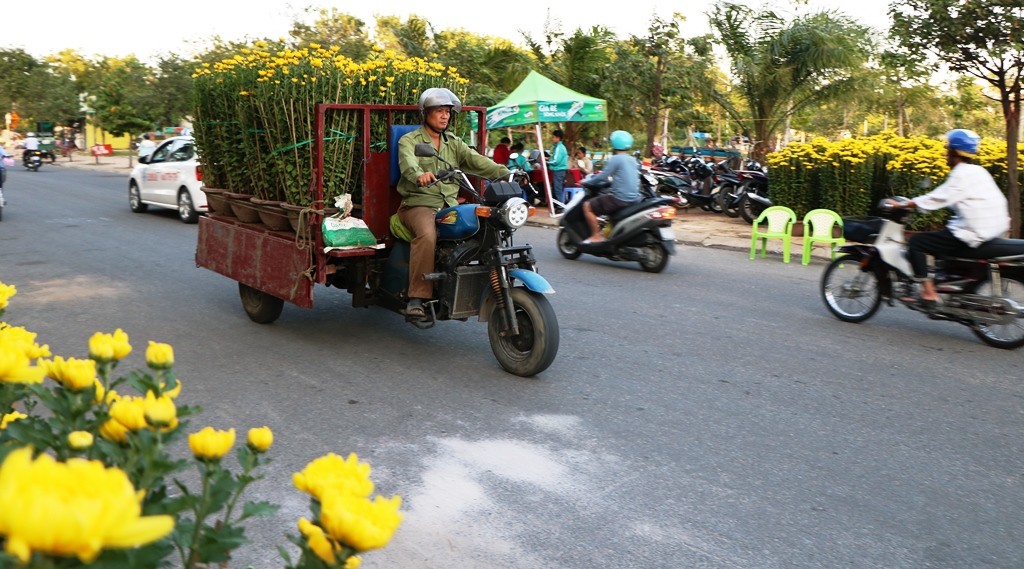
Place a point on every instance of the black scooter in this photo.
(640, 232)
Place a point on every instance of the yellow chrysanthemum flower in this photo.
(159, 411)
(318, 542)
(260, 438)
(172, 393)
(16, 367)
(130, 411)
(6, 292)
(211, 444)
(109, 347)
(113, 430)
(73, 373)
(80, 440)
(333, 474)
(77, 508)
(159, 355)
(10, 417)
(17, 338)
(359, 522)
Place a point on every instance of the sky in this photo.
(156, 29)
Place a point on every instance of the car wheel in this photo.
(186, 209)
(135, 198)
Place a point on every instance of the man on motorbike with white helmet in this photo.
(624, 174)
(422, 197)
(980, 211)
(31, 145)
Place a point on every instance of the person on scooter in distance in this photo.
(422, 198)
(980, 212)
(31, 146)
(624, 173)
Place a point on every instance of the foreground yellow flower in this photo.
(260, 438)
(211, 444)
(359, 522)
(17, 338)
(109, 347)
(331, 473)
(80, 440)
(77, 508)
(159, 356)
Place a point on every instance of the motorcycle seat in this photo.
(998, 249)
(641, 205)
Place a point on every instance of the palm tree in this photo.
(780, 67)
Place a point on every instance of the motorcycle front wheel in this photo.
(850, 294)
(726, 196)
(1006, 336)
(535, 347)
(566, 246)
(749, 209)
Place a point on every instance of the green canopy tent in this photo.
(540, 100)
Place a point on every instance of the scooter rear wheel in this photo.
(850, 294)
(1006, 336)
(656, 258)
(569, 249)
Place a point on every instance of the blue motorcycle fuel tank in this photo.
(457, 222)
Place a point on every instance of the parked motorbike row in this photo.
(714, 186)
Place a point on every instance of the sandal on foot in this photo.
(415, 309)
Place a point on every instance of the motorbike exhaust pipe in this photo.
(759, 198)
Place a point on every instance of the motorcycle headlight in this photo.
(515, 212)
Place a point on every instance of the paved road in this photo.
(710, 416)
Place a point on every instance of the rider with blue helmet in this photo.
(979, 207)
(624, 174)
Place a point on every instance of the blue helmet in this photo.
(964, 142)
(621, 140)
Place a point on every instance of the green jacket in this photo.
(456, 152)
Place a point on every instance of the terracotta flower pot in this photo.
(217, 202)
(272, 214)
(243, 209)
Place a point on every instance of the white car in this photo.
(171, 178)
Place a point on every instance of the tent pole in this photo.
(544, 170)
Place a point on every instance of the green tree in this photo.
(120, 100)
(413, 38)
(981, 38)
(333, 28)
(781, 67)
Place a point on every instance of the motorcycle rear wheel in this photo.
(1005, 336)
(749, 209)
(535, 347)
(850, 294)
(261, 307)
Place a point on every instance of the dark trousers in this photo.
(938, 244)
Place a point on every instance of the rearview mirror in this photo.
(425, 150)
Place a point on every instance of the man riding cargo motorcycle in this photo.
(423, 195)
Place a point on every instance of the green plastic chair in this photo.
(819, 227)
(779, 220)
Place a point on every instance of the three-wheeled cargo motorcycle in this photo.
(480, 271)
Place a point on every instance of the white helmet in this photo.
(30, 134)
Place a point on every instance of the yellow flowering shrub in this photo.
(255, 114)
(82, 458)
(850, 175)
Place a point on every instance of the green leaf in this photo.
(261, 508)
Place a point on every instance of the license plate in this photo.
(667, 234)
